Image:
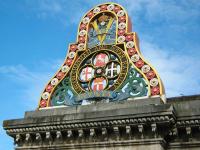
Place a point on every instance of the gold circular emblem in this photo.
(100, 68)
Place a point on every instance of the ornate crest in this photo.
(104, 63)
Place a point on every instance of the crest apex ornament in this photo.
(104, 64)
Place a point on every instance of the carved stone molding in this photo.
(129, 124)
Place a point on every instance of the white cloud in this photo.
(166, 10)
(176, 15)
(179, 73)
(30, 83)
(64, 11)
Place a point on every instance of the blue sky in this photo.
(35, 34)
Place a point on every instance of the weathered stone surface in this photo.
(94, 107)
(133, 124)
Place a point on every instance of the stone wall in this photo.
(133, 124)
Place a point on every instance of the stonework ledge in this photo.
(121, 124)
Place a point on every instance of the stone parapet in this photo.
(144, 123)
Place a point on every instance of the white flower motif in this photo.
(81, 46)
(96, 10)
(130, 44)
(65, 68)
(121, 39)
(71, 55)
(154, 82)
(135, 58)
(86, 20)
(120, 13)
(110, 7)
(54, 81)
(45, 95)
(145, 68)
(122, 25)
(82, 32)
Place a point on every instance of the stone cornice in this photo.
(126, 123)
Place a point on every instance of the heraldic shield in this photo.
(104, 64)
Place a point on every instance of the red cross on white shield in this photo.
(99, 84)
(87, 73)
(101, 60)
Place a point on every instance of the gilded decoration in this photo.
(104, 64)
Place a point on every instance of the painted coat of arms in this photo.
(104, 63)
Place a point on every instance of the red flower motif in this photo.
(155, 90)
(150, 75)
(139, 63)
(81, 39)
(129, 37)
(60, 75)
(69, 62)
(43, 103)
(82, 26)
(90, 14)
(73, 47)
(122, 19)
(103, 7)
(131, 51)
(116, 9)
(121, 32)
(49, 88)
